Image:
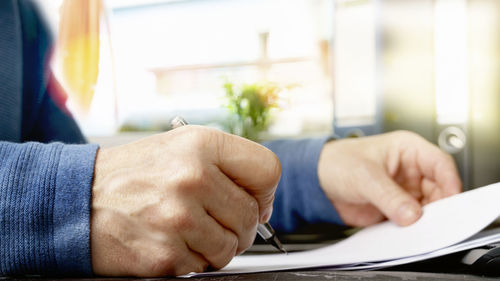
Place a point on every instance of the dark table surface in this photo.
(320, 275)
(443, 268)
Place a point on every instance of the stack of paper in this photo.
(446, 226)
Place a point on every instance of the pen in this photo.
(264, 230)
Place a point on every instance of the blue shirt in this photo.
(46, 169)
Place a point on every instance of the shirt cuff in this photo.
(299, 198)
(320, 208)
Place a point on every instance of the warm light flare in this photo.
(78, 48)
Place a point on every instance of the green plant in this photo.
(251, 106)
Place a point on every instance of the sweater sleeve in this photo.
(45, 192)
(299, 196)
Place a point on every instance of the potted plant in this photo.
(251, 107)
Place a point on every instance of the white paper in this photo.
(474, 242)
(443, 224)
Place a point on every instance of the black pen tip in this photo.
(277, 244)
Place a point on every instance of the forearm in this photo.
(45, 207)
(299, 197)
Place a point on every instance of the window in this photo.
(173, 57)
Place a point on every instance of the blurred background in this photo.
(344, 67)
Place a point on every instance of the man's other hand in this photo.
(179, 202)
(386, 176)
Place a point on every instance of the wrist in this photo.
(103, 166)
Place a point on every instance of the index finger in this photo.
(440, 167)
(251, 166)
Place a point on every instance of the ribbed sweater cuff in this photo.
(72, 209)
(44, 208)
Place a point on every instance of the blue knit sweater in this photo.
(46, 170)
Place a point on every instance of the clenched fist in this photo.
(179, 202)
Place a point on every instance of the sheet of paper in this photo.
(444, 223)
(479, 240)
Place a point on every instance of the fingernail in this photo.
(408, 213)
(266, 216)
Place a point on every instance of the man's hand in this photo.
(179, 202)
(386, 176)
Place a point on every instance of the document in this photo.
(446, 226)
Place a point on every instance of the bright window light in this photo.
(450, 39)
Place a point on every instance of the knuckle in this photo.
(201, 137)
(191, 180)
(194, 137)
(403, 134)
(198, 267)
(183, 221)
(222, 144)
(226, 251)
(245, 242)
(251, 213)
(203, 267)
(394, 199)
(198, 137)
(189, 267)
(174, 263)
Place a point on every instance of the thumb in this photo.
(252, 167)
(393, 201)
